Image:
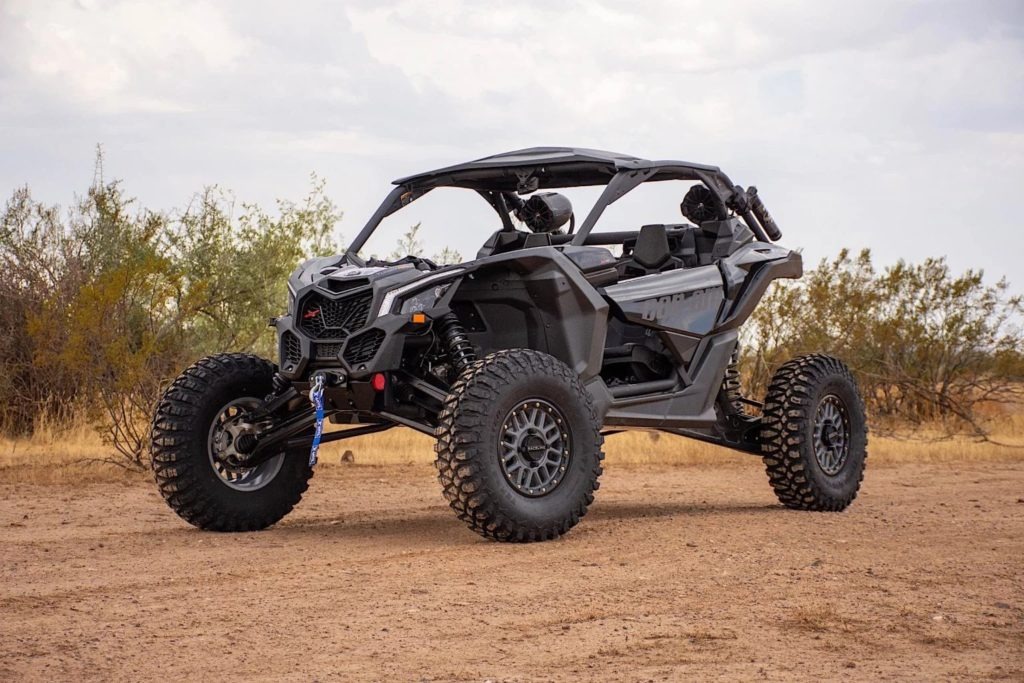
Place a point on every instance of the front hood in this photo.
(331, 273)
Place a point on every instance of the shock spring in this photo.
(279, 383)
(454, 335)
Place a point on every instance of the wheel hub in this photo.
(229, 432)
(831, 434)
(534, 447)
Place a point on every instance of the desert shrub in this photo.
(926, 345)
(105, 303)
(40, 269)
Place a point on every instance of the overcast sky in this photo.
(894, 126)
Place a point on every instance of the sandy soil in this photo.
(686, 573)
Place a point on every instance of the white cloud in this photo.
(113, 57)
(893, 125)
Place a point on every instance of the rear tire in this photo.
(519, 447)
(184, 463)
(814, 434)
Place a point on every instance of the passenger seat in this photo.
(650, 253)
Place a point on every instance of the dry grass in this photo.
(75, 454)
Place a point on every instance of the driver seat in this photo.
(502, 241)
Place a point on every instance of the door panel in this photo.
(686, 300)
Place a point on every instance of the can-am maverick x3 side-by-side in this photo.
(521, 360)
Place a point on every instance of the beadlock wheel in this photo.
(831, 434)
(195, 432)
(535, 447)
(230, 424)
(519, 447)
(814, 434)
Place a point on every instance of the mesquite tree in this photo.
(926, 345)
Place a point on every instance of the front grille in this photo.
(323, 318)
(328, 351)
(291, 350)
(363, 347)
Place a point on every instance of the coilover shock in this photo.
(454, 335)
(279, 383)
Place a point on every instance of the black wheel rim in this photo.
(831, 434)
(534, 447)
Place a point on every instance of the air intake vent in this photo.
(363, 347)
(291, 351)
(328, 351)
(343, 285)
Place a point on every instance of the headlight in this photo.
(419, 293)
(421, 301)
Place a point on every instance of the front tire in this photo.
(814, 434)
(196, 418)
(519, 447)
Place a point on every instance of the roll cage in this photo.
(538, 168)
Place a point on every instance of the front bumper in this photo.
(376, 347)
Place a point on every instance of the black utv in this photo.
(520, 361)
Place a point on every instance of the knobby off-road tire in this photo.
(181, 449)
(814, 435)
(501, 413)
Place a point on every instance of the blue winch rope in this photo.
(316, 397)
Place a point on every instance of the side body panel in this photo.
(688, 300)
(534, 298)
(697, 312)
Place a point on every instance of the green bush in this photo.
(105, 303)
(925, 344)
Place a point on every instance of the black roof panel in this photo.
(563, 166)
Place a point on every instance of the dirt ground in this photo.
(676, 573)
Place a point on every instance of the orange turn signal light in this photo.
(419, 318)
